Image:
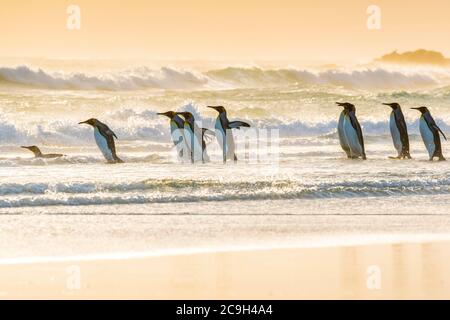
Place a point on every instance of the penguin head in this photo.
(169, 114)
(187, 116)
(219, 109)
(92, 122)
(347, 106)
(34, 149)
(394, 105)
(421, 109)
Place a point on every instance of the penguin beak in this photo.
(212, 107)
(24, 147)
(415, 108)
(82, 122)
(387, 104)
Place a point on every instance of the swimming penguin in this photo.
(177, 132)
(195, 138)
(224, 135)
(342, 138)
(399, 131)
(430, 134)
(38, 154)
(104, 137)
(352, 132)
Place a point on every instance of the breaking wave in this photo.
(144, 126)
(140, 78)
(228, 78)
(170, 190)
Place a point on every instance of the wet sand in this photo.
(394, 271)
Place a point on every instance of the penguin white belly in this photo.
(226, 142)
(103, 145)
(341, 134)
(427, 137)
(395, 134)
(193, 144)
(352, 138)
(220, 134)
(177, 137)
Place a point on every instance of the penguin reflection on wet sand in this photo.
(176, 131)
(224, 135)
(195, 137)
(104, 137)
(430, 134)
(399, 131)
(38, 154)
(350, 132)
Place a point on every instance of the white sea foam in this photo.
(232, 77)
(178, 191)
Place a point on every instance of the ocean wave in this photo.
(170, 191)
(82, 159)
(136, 79)
(366, 78)
(227, 78)
(146, 126)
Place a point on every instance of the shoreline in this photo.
(405, 270)
(335, 242)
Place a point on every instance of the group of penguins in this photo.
(190, 140)
(352, 140)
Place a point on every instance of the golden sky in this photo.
(316, 30)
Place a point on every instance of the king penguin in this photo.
(399, 131)
(352, 132)
(177, 132)
(430, 134)
(38, 154)
(342, 138)
(104, 137)
(224, 135)
(195, 138)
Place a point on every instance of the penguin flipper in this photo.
(357, 127)
(208, 135)
(403, 130)
(439, 130)
(238, 124)
(111, 145)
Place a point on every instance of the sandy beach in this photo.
(400, 271)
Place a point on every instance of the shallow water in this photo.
(68, 200)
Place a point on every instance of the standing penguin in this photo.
(399, 131)
(195, 138)
(342, 138)
(352, 132)
(224, 135)
(177, 132)
(430, 134)
(104, 137)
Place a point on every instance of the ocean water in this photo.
(301, 188)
